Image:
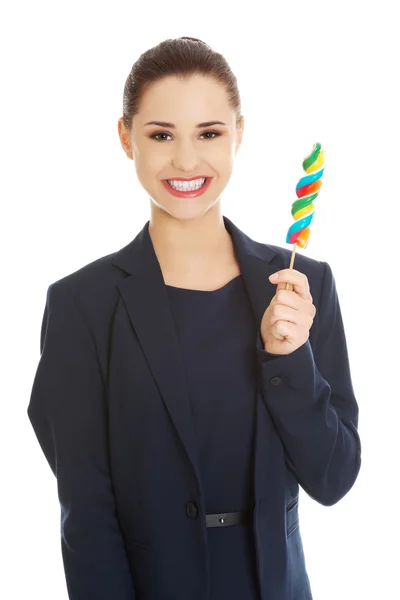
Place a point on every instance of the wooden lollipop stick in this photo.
(289, 285)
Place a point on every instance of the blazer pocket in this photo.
(292, 517)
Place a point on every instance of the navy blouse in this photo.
(216, 330)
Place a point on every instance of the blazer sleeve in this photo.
(311, 400)
(67, 410)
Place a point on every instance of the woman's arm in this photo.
(311, 400)
(68, 413)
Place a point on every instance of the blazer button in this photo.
(192, 510)
(275, 380)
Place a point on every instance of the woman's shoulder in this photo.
(93, 276)
(93, 287)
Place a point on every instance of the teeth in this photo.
(185, 186)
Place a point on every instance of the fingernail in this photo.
(274, 277)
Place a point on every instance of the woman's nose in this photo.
(185, 157)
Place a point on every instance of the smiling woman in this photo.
(178, 441)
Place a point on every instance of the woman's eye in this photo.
(156, 135)
(215, 133)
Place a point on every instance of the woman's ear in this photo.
(239, 133)
(125, 139)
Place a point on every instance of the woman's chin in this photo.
(184, 208)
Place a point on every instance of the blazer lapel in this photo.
(145, 297)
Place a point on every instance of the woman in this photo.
(181, 398)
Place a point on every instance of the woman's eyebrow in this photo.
(172, 126)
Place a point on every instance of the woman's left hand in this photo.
(286, 323)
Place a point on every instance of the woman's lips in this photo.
(189, 193)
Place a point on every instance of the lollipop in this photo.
(303, 209)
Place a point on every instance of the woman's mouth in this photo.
(191, 189)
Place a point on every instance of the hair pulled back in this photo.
(181, 57)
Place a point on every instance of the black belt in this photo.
(227, 519)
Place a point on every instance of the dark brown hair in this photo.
(180, 57)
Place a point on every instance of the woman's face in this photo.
(185, 150)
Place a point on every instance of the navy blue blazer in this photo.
(110, 408)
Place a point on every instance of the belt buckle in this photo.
(227, 519)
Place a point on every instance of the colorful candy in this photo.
(307, 190)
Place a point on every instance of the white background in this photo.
(308, 71)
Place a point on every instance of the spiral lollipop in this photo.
(303, 209)
(307, 190)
